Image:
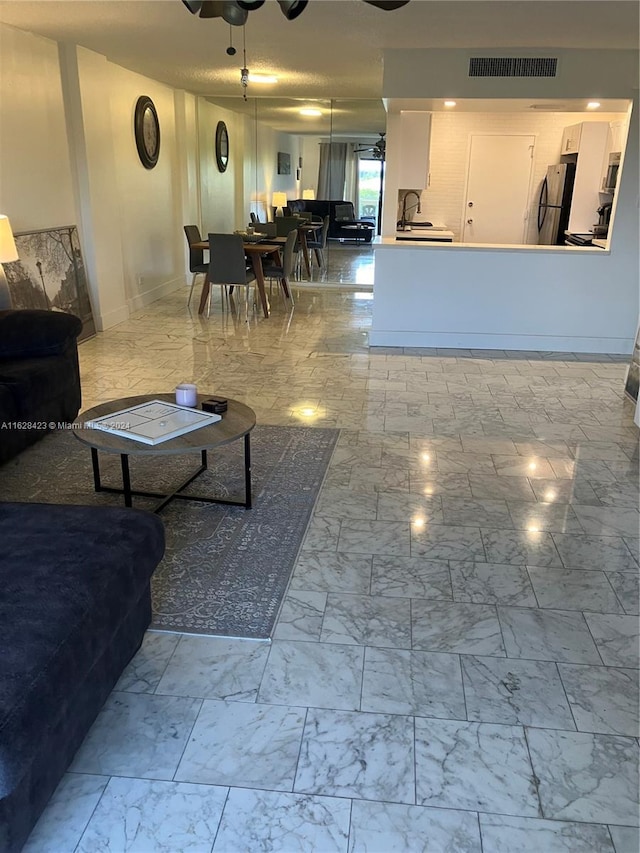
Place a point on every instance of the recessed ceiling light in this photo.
(593, 105)
(262, 78)
(310, 111)
(449, 103)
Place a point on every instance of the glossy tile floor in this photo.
(455, 667)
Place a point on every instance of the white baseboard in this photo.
(112, 318)
(544, 343)
(141, 300)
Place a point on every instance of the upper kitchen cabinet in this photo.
(571, 139)
(617, 135)
(414, 143)
(578, 137)
(588, 180)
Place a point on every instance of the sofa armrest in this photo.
(32, 333)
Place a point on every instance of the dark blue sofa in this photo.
(39, 375)
(74, 605)
(322, 208)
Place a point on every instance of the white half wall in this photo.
(464, 296)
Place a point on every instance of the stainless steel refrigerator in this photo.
(554, 204)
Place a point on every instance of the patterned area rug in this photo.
(225, 569)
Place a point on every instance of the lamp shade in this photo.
(279, 199)
(310, 194)
(8, 251)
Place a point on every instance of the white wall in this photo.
(218, 189)
(443, 200)
(149, 200)
(35, 169)
(261, 146)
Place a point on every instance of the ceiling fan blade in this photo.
(228, 10)
(387, 5)
(211, 9)
(193, 5)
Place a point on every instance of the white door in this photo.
(498, 184)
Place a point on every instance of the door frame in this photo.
(530, 187)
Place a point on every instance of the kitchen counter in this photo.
(425, 235)
(448, 245)
(499, 296)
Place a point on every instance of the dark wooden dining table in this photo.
(256, 251)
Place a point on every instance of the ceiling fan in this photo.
(235, 12)
(378, 149)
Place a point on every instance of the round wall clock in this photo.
(147, 131)
(222, 146)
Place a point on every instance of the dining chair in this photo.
(228, 266)
(197, 265)
(319, 243)
(285, 224)
(254, 217)
(266, 228)
(284, 272)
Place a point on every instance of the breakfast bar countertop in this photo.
(448, 245)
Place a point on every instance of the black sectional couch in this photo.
(321, 208)
(39, 375)
(74, 607)
(74, 582)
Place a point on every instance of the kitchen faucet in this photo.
(405, 210)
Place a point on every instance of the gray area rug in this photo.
(225, 569)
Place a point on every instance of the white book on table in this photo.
(154, 422)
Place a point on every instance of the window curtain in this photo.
(332, 169)
(352, 177)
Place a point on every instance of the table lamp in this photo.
(310, 194)
(8, 253)
(279, 200)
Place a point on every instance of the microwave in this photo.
(611, 178)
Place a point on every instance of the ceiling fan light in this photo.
(387, 5)
(193, 5)
(250, 5)
(292, 8)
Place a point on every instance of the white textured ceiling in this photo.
(332, 51)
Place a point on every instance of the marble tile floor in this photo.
(455, 667)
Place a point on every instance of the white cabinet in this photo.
(588, 179)
(616, 141)
(618, 137)
(571, 139)
(415, 137)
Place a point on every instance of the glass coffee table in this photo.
(236, 423)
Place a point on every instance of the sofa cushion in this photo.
(8, 408)
(27, 333)
(33, 381)
(67, 573)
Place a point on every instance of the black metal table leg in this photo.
(247, 471)
(96, 470)
(177, 492)
(126, 479)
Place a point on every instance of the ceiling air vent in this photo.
(523, 66)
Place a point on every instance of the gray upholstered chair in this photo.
(319, 243)
(197, 265)
(285, 224)
(266, 228)
(284, 271)
(228, 266)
